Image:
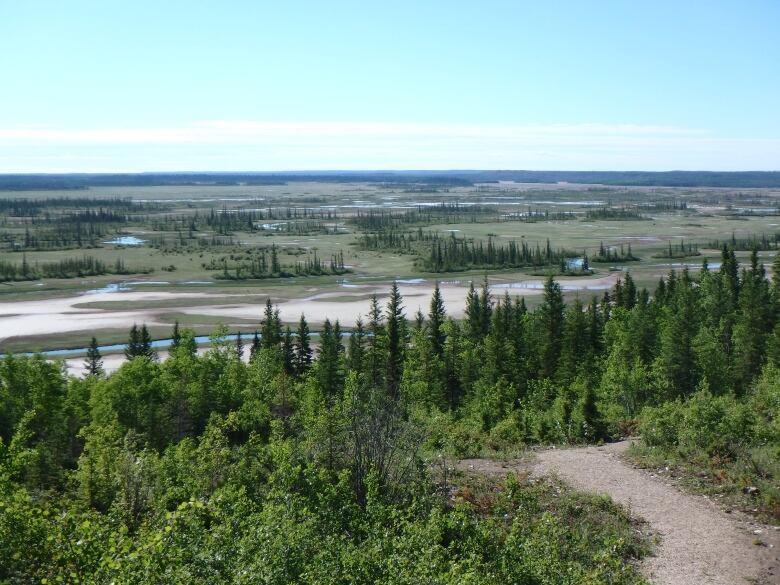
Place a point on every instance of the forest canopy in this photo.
(321, 458)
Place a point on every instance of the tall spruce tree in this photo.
(473, 314)
(255, 347)
(145, 340)
(375, 355)
(134, 349)
(239, 346)
(303, 351)
(436, 317)
(676, 360)
(550, 321)
(328, 371)
(270, 327)
(485, 307)
(175, 336)
(93, 365)
(575, 346)
(754, 322)
(356, 350)
(395, 333)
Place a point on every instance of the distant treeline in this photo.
(444, 178)
(537, 215)
(227, 221)
(87, 216)
(664, 205)
(67, 268)
(265, 263)
(379, 219)
(454, 254)
(62, 236)
(620, 214)
(614, 254)
(681, 250)
(26, 207)
(748, 179)
(35, 182)
(760, 242)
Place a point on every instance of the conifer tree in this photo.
(303, 351)
(270, 327)
(436, 318)
(375, 354)
(595, 326)
(452, 351)
(338, 337)
(729, 270)
(753, 323)
(485, 307)
(419, 320)
(355, 350)
(575, 346)
(676, 358)
(328, 372)
(255, 347)
(550, 315)
(133, 349)
(395, 335)
(629, 292)
(175, 335)
(145, 340)
(239, 346)
(93, 365)
(473, 314)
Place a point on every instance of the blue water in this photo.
(126, 241)
(157, 344)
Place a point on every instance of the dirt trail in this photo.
(699, 543)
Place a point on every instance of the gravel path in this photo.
(700, 544)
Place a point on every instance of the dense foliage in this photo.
(296, 467)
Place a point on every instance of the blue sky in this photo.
(132, 86)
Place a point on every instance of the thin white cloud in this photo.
(221, 131)
(234, 145)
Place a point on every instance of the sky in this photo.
(117, 86)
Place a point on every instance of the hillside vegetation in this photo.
(329, 465)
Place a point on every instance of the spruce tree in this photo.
(145, 340)
(175, 336)
(395, 336)
(328, 371)
(375, 354)
(239, 346)
(436, 318)
(485, 307)
(355, 350)
(419, 320)
(473, 314)
(270, 327)
(575, 345)
(753, 324)
(302, 347)
(93, 365)
(676, 359)
(255, 347)
(550, 315)
(729, 270)
(629, 292)
(133, 348)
